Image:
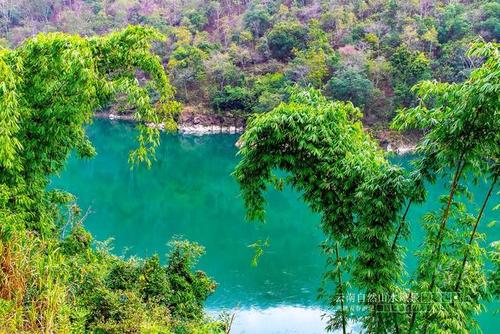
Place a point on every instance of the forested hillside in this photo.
(238, 57)
(296, 66)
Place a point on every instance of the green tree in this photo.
(490, 21)
(284, 37)
(462, 137)
(314, 64)
(350, 84)
(50, 282)
(257, 19)
(232, 99)
(270, 90)
(49, 89)
(453, 24)
(408, 68)
(222, 72)
(197, 18)
(453, 65)
(343, 176)
(186, 65)
(51, 86)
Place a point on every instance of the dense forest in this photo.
(309, 76)
(238, 57)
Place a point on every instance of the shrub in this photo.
(232, 99)
(155, 285)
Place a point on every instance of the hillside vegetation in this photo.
(239, 56)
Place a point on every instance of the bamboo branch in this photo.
(401, 224)
(473, 234)
(437, 250)
(393, 246)
(446, 214)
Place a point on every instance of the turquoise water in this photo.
(189, 192)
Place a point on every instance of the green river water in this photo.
(189, 192)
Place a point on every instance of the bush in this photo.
(124, 275)
(155, 285)
(77, 242)
(189, 289)
(269, 90)
(232, 99)
(137, 296)
(93, 291)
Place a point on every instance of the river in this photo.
(189, 192)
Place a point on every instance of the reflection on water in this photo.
(277, 320)
(189, 192)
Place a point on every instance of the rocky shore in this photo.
(395, 142)
(201, 121)
(194, 122)
(199, 129)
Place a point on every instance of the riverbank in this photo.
(396, 142)
(193, 120)
(199, 121)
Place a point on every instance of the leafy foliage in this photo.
(257, 19)
(364, 200)
(342, 174)
(50, 282)
(284, 37)
(269, 90)
(232, 98)
(408, 69)
(462, 135)
(348, 84)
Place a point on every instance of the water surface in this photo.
(189, 192)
